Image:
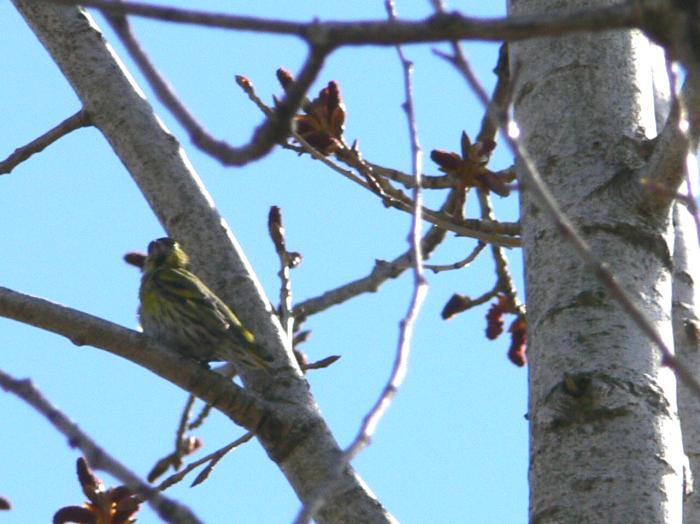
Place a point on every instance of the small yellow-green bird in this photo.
(180, 311)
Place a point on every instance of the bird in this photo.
(180, 311)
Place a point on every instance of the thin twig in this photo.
(420, 288)
(383, 270)
(504, 276)
(78, 120)
(287, 261)
(438, 268)
(274, 129)
(227, 370)
(420, 285)
(214, 458)
(182, 429)
(199, 419)
(98, 457)
(428, 181)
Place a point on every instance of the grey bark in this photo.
(686, 326)
(605, 437)
(686, 336)
(307, 453)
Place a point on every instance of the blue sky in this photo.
(453, 447)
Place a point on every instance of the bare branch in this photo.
(383, 270)
(420, 285)
(438, 268)
(440, 27)
(272, 131)
(287, 261)
(182, 426)
(428, 182)
(500, 233)
(496, 108)
(214, 458)
(78, 120)
(420, 288)
(167, 509)
(84, 329)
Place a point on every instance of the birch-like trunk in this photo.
(686, 333)
(605, 437)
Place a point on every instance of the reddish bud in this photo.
(244, 82)
(285, 78)
(455, 305)
(518, 342)
(446, 160)
(494, 317)
(73, 514)
(322, 125)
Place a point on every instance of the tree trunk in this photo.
(686, 335)
(605, 437)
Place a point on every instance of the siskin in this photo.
(180, 311)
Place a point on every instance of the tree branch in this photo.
(488, 231)
(420, 289)
(265, 137)
(167, 509)
(383, 270)
(70, 124)
(440, 27)
(85, 329)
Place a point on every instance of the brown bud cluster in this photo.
(322, 124)
(518, 342)
(517, 329)
(469, 168)
(494, 317)
(106, 506)
(455, 305)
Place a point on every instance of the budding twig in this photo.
(78, 120)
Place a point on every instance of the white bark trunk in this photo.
(686, 326)
(605, 438)
(686, 335)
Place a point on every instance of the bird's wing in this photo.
(204, 306)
